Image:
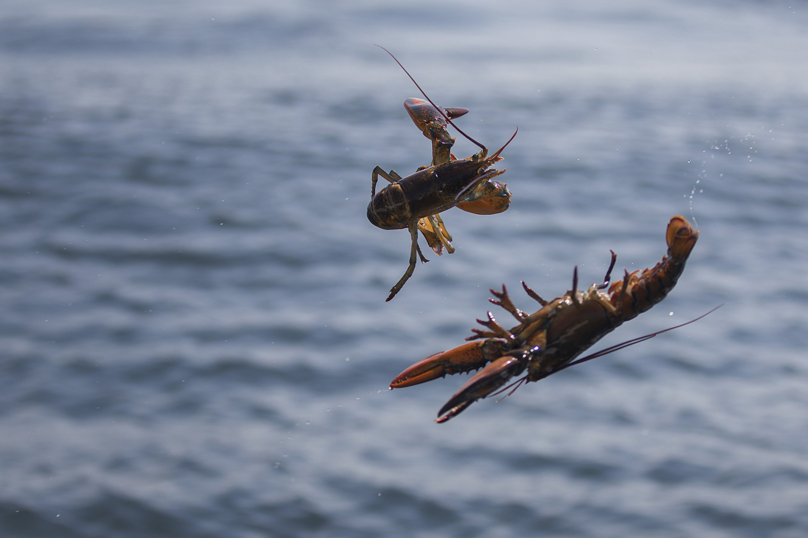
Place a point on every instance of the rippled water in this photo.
(193, 328)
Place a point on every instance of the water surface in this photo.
(193, 329)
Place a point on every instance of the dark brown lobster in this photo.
(416, 201)
(550, 339)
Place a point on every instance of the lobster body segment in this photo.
(550, 339)
(429, 191)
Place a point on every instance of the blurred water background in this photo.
(193, 334)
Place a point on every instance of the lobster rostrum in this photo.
(414, 202)
(550, 339)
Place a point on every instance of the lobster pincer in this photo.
(490, 198)
(461, 359)
(484, 383)
(433, 122)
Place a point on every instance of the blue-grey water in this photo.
(193, 335)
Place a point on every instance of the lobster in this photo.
(415, 202)
(550, 339)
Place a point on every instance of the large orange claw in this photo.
(488, 199)
(482, 384)
(461, 359)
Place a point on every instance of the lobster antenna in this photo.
(506, 143)
(631, 342)
(518, 384)
(439, 109)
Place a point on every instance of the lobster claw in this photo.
(482, 384)
(455, 111)
(463, 358)
(488, 198)
(430, 121)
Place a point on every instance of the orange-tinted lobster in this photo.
(415, 202)
(550, 339)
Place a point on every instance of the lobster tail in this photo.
(637, 294)
(681, 239)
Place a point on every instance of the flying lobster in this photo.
(416, 201)
(550, 339)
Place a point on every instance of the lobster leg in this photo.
(413, 228)
(392, 177)
(435, 234)
(503, 300)
(533, 295)
(436, 220)
(608, 276)
(432, 239)
(482, 384)
(497, 331)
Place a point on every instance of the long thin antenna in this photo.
(495, 155)
(433, 104)
(633, 341)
